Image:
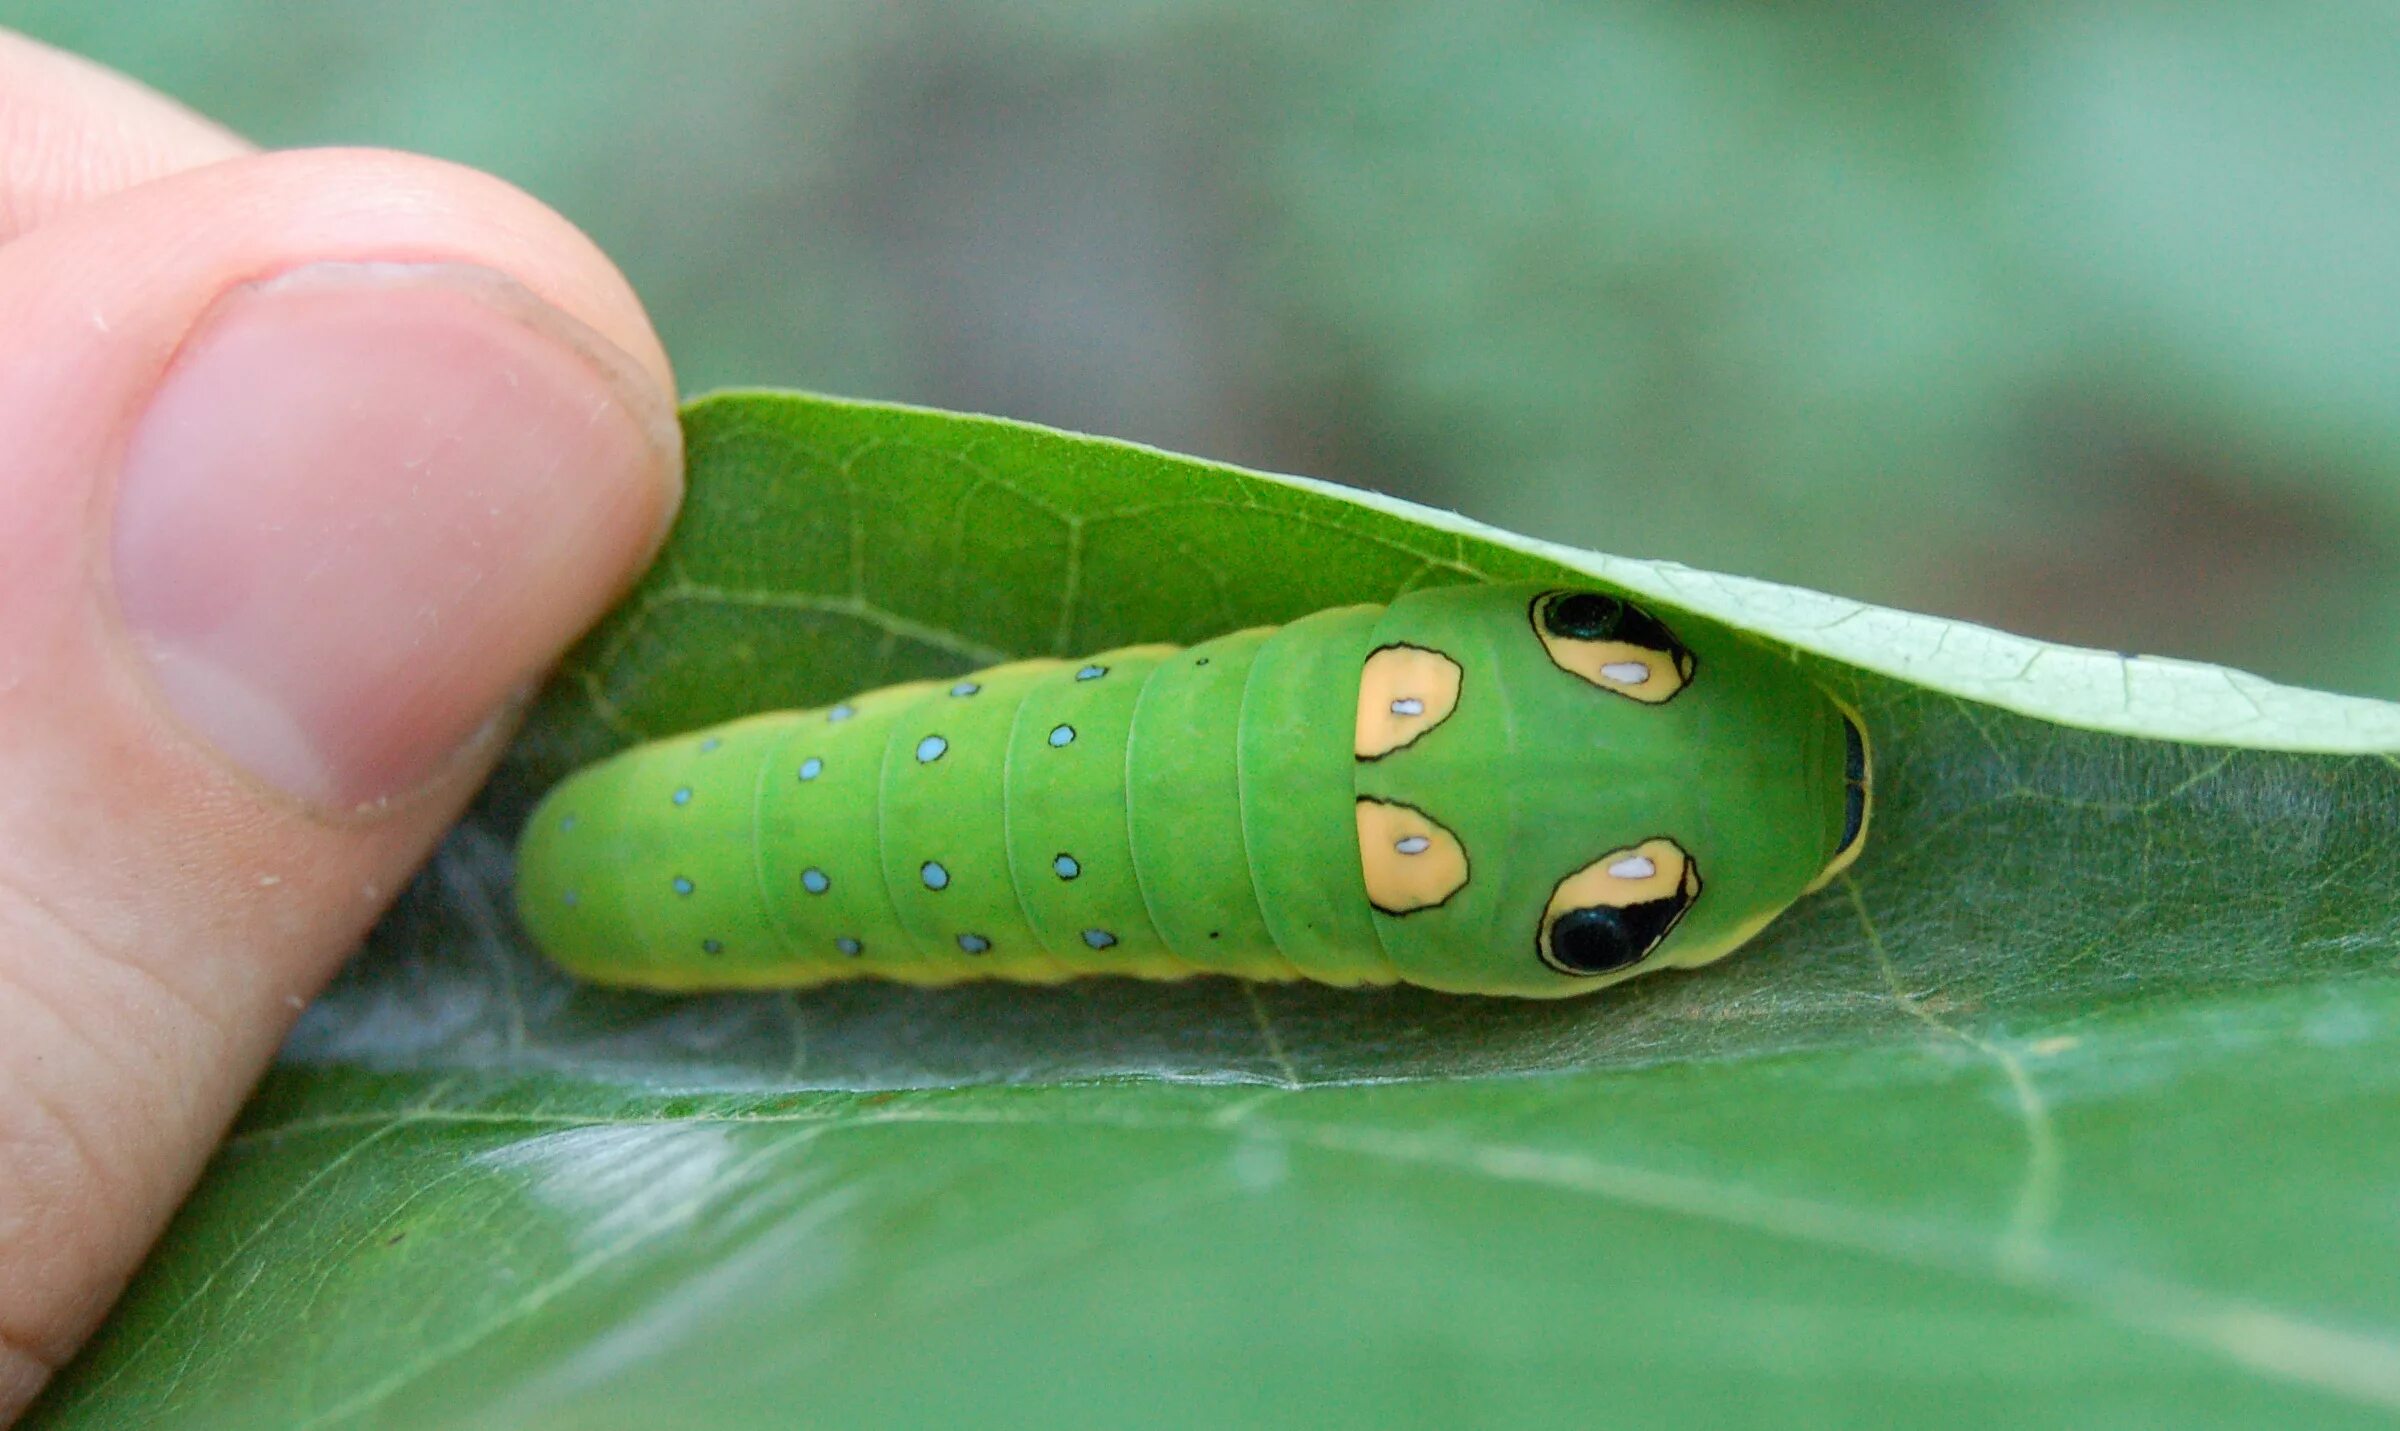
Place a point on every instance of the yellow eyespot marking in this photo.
(1411, 862)
(1613, 644)
(1403, 692)
(1609, 915)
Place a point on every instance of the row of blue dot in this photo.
(936, 877)
(934, 873)
(929, 750)
(971, 943)
(964, 688)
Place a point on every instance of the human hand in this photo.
(310, 463)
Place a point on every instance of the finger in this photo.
(71, 132)
(316, 461)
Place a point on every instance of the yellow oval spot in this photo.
(1650, 870)
(1403, 692)
(1638, 657)
(1647, 675)
(1411, 862)
(1655, 869)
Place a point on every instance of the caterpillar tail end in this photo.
(552, 904)
(639, 870)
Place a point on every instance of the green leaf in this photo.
(2075, 1102)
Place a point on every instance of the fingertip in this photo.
(433, 210)
(367, 506)
(316, 462)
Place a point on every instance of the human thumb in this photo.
(313, 464)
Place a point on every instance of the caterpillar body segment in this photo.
(1070, 846)
(1184, 805)
(1300, 824)
(1490, 789)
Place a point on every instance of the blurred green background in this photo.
(2078, 318)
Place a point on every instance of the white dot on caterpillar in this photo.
(842, 712)
(974, 943)
(811, 768)
(1633, 867)
(566, 823)
(814, 880)
(1066, 866)
(1631, 673)
(850, 946)
(965, 688)
(1408, 706)
(709, 744)
(1091, 673)
(683, 795)
(930, 749)
(1062, 736)
(1413, 845)
(1099, 938)
(934, 875)
(712, 946)
(682, 885)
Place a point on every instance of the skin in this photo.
(1487, 790)
(243, 688)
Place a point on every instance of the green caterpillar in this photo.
(1481, 789)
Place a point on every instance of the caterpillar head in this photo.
(1559, 789)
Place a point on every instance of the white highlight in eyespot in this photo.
(1408, 706)
(1631, 673)
(1633, 867)
(1414, 845)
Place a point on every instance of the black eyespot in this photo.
(1854, 784)
(1592, 616)
(1605, 938)
(1854, 816)
(1583, 616)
